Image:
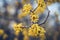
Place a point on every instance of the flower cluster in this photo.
(36, 30)
(26, 10)
(41, 6)
(17, 28)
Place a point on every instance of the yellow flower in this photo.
(39, 1)
(41, 7)
(17, 33)
(49, 2)
(26, 38)
(26, 10)
(5, 36)
(25, 1)
(14, 26)
(15, 38)
(33, 30)
(23, 14)
(34, 26)
(41, 32)
(36, 30)
(30, 33)
(27, 7)
(17, 28)
(34, 18)
(25, 32)
(1, 31)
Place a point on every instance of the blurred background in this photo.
(9, 10)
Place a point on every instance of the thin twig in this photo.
(45, 19)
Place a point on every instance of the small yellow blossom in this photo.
(41, 7)
(26, 10)
(26, 38)
(34, 18)
(39, 1)
(16, 33)
(49, 2)
(5, 36)
(27, 7)
(25, 32)
(33, 30)
(17, 28)
(15, 38)
(1, 31)
(25, 1)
